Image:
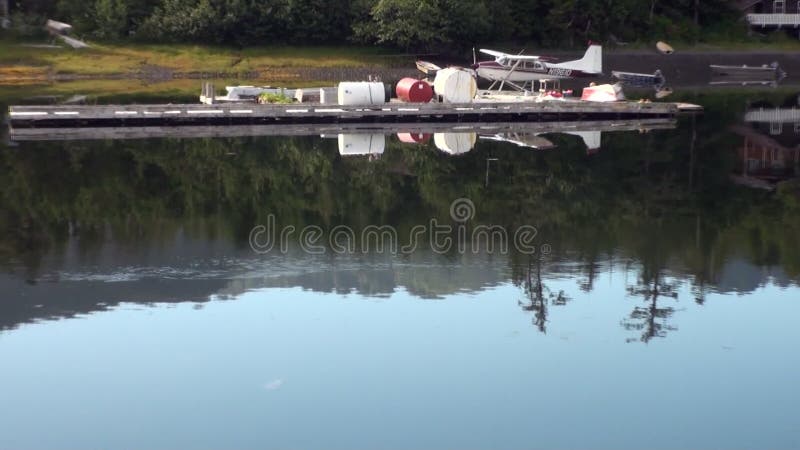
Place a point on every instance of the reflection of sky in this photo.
(287, 368)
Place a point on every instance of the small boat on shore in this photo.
(744, 74)
(655, 80)
(428, 68)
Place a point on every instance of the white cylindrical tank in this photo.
(361, 93)
(361, 144)
(455, 143)
(455, 85)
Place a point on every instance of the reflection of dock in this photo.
(194, 131)
(775, 117)
(255, 114)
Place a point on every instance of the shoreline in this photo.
(173, 70)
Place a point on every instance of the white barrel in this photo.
(361, 144)
(455, 85)
(455, 143)
(361, 93)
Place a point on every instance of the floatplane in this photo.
(522, 71)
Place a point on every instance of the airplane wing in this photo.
(509, 56)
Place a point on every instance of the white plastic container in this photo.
(455, 85)
(361, 93)
(361, 144)
(238, 92)
(455, 143)
(603, 93)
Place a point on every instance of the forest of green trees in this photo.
(406, 24)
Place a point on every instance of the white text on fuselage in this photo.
(559, 72)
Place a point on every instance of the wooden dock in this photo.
(201, 131)
(98, 116)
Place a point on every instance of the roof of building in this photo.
(747, 4)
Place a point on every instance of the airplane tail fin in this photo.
(592, 61)
(592, 139)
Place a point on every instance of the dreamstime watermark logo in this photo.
(442, 238)
(462, 210)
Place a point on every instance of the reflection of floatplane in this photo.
(591, 139)
(529, 140)
(459, 138)
(521, 71)
(589, 132)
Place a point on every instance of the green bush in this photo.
(268, 97)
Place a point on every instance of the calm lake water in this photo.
(652, 304)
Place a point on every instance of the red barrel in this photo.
(414, 91)
(414, 138)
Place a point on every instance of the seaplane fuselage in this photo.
(524, 68)
(527, 71)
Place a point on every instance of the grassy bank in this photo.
(173, 71)
(136, 71)
(23, 64)
(103, 91)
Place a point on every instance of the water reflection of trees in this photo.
(651, 320)
(591, 206)
(538, 296)
(668, 188)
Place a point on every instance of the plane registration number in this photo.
(558, 71)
